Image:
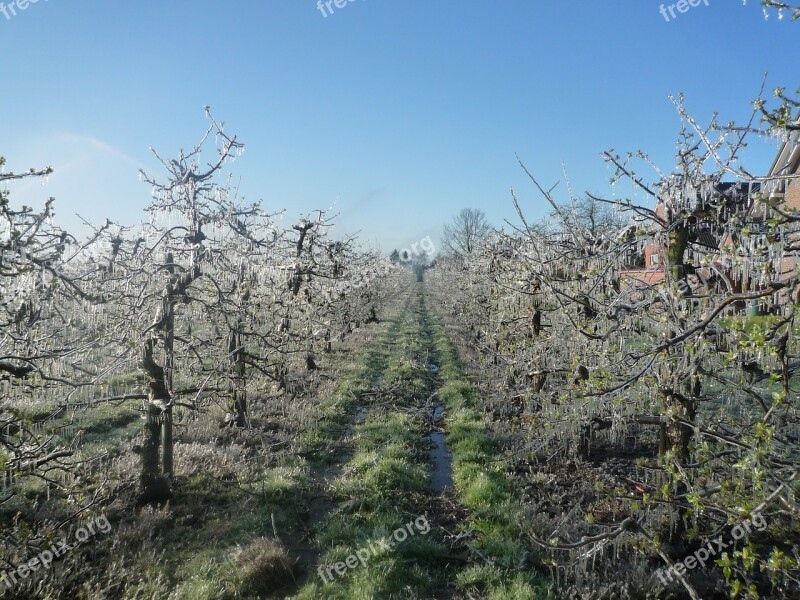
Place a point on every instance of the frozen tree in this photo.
(588, 348)
(172, 286)
(49, 342)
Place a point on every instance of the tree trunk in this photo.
(238, 371)
(677, 436)
(155, 488)
(678, 242)
(150, 449)
(169, 367)
(167, 444)
(156, 482)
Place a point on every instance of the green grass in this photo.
(381, 485)
(384, 482)
(484, 487)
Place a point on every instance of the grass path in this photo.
(389, 534)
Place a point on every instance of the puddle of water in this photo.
(442, 474)
(321, 505)
(318, 509)
(437, 413)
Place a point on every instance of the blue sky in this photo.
(399, 112)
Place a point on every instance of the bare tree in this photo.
(589, 214)
(465, 234)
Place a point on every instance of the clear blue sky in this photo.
(401, 112)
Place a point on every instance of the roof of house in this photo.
(706, 238)
(788, 159)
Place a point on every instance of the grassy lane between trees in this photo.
(379, 535)
(389, 536)
(484, 488)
